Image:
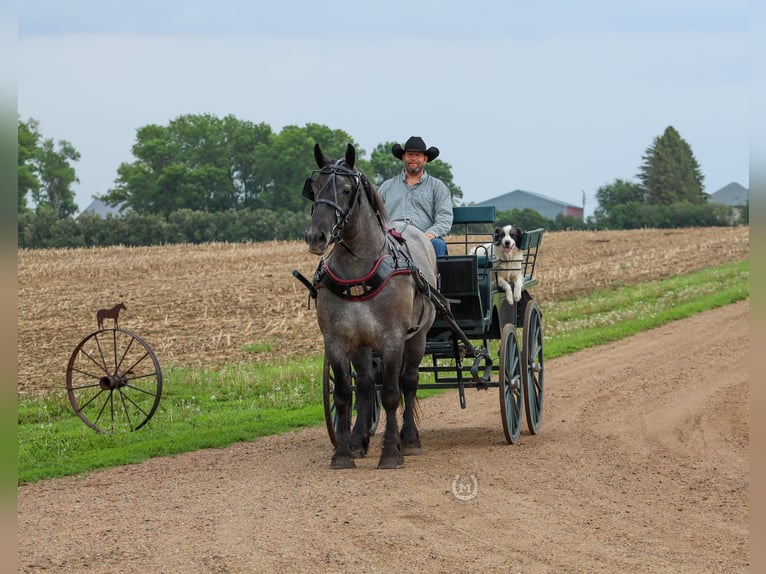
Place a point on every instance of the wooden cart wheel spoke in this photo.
(532, 371)
(125, 392)
(510, 385)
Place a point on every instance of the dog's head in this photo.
(507, 237)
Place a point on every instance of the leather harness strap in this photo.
(362, 288)
(396, 262)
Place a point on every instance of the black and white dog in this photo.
(505, 248)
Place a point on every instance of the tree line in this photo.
(669, 192)
(202, 178)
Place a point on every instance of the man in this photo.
(417, 197)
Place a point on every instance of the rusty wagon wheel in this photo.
(509, 384)
(330, 414)
(114, 381)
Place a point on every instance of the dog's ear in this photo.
(517, 232)
(496, 236)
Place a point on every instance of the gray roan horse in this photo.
(371, 295)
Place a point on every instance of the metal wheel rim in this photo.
(533, 367)
(509, 384)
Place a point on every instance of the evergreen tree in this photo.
(670, 173)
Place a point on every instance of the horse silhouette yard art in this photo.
(113, 313)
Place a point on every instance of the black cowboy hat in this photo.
(415, 143)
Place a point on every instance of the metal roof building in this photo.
(545, 206)
(733, 195)
(101, 209)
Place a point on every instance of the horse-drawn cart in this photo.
(384, 302)
(460, 341)
(480, 312)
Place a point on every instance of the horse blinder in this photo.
(308, 189)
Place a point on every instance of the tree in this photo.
(199, 162)
(204, 163)
(619, 192)
(28, 139)
(525, 218)
(287, 159)
(57, 176)
(670, 173)
(385, 166)
(45, 171)
(383, 163)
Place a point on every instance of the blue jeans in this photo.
(440, 246)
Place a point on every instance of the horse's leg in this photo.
(342, 457)
(413, 354)
(365, 386)
(391, 457)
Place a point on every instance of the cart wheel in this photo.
(532, 366)
(114, 381)
(511, 390)
(331, 416)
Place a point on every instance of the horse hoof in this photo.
(342, 462)
(411, 449)
(359, 450)
(391, 462)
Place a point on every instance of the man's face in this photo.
(414, 161)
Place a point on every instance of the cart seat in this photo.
(466, 282)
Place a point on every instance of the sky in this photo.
(557, 97)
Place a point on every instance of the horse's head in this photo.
(334, 188)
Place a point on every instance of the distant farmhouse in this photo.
(734, 196)
(101, 209)
(545, 206)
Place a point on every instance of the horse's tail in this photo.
(415, 407)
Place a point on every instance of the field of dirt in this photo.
(202, 304)
(641, 466)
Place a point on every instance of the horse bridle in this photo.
(342, 216)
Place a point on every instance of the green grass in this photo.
(605, 316)
(212, 409)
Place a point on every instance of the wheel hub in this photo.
(111, 382)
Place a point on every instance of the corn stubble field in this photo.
(208, 305)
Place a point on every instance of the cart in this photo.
(473, 313)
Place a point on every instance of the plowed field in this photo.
(200, 304)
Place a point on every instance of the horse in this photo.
(361, 309)
(113, 313)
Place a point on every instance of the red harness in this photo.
(367, 287)
(362, 288)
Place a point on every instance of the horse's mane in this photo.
(374, 196)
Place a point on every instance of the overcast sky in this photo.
(556, 97)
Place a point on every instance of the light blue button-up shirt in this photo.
(427, 205)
